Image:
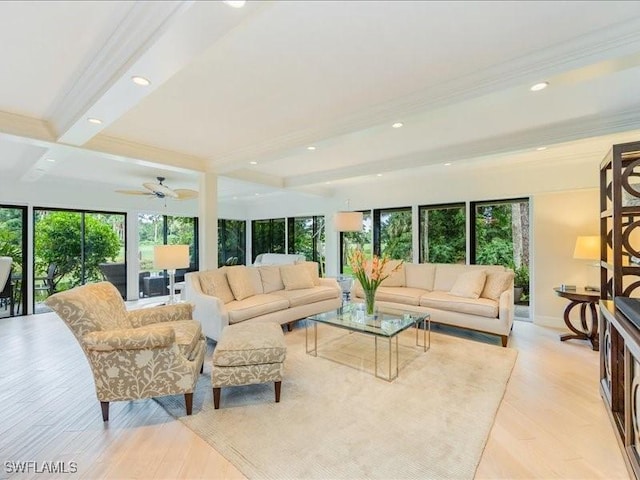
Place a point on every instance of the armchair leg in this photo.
(504, 339)
(188, 402)
(216, 398)
(105, 411)
(202, 368)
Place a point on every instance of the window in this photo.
(306, 237)
(13, 238)
(231, 242)
(392, 233)
(267, 236)
(351, 240)
(73, 247)
(163, 230)
(442, 234)
(500, 236)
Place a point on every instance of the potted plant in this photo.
(520, 282)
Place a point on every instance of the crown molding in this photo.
(138, 29)
(620, 40)
(119, 149)
(31, 129)
(560, 132)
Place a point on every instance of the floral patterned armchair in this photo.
(143, 353)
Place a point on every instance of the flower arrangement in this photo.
(370, 274)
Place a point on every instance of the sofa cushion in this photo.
(496, 283)
(296, 277)
(395, 278)
(250, 344)
(306, 296)
(469, 284)
(419, 275)
(404, 295)
(242, 282)
(483, 307)
(313, 269)
(271, 278)
(214, 283)
(254, 306)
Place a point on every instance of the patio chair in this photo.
(143, 353)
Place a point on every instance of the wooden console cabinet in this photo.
(620, 277)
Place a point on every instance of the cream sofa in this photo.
(475, 297)
(271, 293)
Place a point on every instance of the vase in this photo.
(369, 301)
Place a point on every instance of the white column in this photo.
(208, 221)
(133, 260)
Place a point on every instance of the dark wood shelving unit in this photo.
(620, 277)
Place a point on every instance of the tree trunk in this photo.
(516, 234)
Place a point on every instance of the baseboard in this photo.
(552, 322)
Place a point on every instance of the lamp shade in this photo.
(170, 257)
(587, 248)
(348, 221)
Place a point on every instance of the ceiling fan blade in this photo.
(160, 190)
(186, 194)
(134, 192)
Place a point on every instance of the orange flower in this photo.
(369, 274)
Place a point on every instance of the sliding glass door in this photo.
(13, 244)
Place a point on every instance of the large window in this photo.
(500, 236)
(267, 236)
(392, 233)
(306, 237)
(163, 230)
(442, 234)
(13, 238)
(76, 247)
(231, 242)
(351, 240)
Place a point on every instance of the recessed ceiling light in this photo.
(539, 86)
(379, 175)
(235, 3)
(253, 162)
(143, 82)
(327, 183)
(311, 148)
(235, 198)
(398, 125)
(257, 194)
(51, 160)
(541, 148)
(95, 121)
(447, 164)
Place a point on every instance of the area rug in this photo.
(336, 420)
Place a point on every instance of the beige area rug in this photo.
(336, 421)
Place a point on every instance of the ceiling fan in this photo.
(160, 190)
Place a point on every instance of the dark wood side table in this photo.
(584, 298)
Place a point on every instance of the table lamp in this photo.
(588, 248)
(170, 257)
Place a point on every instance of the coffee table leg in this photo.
(313, 352)
(426, 330)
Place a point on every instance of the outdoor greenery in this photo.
(59, 240)
(231, 242)
(152, 230)
(443, 235)
(268, 236)
(11, 236)
(395, 234)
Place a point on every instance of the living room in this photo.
(425, 127)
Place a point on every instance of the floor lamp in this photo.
(170, 257)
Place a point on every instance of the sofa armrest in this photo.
(208, 310)
(331, 282)
(143, 338)
(506, 307)
(160, 314)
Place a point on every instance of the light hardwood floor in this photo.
(551, 423)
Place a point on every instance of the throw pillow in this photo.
(469, 284)
(214, 283)
(296, 277)
(497, 282)
(240, 282)
(313, 269)
(271, 278)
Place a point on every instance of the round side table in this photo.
(584, 298)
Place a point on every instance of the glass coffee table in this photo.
(385, 325)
